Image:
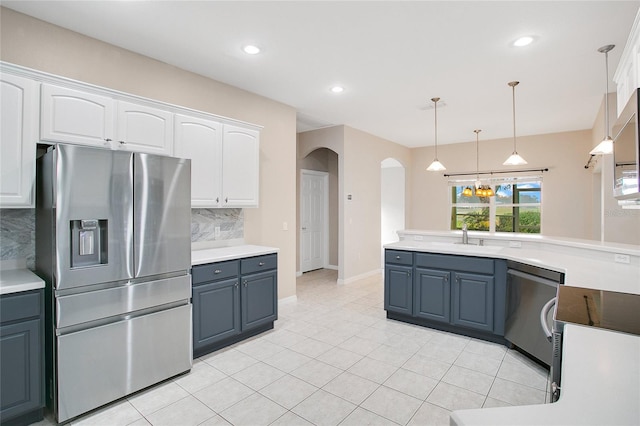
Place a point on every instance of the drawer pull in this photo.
(217, 271)
(397, 257)
(261, 264)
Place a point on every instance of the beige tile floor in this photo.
(333, 358)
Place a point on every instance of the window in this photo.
(516, 206)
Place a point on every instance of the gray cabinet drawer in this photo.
(455, 263)
(258, 264)
(214, 271)
(398, 257)
(18, 306)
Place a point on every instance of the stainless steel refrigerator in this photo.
(113, 243)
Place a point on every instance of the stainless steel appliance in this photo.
(626, 153)
(610, 310)
(113, 244)
(531, 293)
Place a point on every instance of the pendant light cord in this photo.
(606, 96)
(435, 112)
(513, 97)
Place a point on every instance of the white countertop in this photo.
(600, 368)
(219, 254)
(16, 280)
(600, 385)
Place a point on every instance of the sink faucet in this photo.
(465, 236)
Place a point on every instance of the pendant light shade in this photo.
(606, 146)
(514, 159)
(436, 166)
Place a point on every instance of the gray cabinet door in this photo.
(432, 294)
(259, 299)
(20, 368)
(473, 301)
(216, 312)
(398, 289)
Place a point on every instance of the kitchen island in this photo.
(600, 368)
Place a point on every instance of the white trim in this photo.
(288, 300)
(332, 267)
(325, 225)
(298, 274)
(361, 276)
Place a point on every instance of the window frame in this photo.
(493, 206)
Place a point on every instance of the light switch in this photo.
(285, 226)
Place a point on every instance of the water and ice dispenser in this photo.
(89, 238)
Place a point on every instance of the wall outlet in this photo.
(621, 258)
(216, 231)
(418, 238)
(285, 226)
(515, 244)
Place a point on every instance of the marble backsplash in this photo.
(17, 230)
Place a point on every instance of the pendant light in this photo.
(606, 146)
(480, 189)
(514, 159)
(436, 166)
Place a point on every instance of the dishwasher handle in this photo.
(543, 318)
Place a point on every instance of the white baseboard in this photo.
(332, 267)
(288, 300)
(361, 276)
(298, 274)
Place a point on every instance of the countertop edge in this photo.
(220, 254)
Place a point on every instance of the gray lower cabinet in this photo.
(451, 292)
(233, 300)
(433, 295)
(21, 357)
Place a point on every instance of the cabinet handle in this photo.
(226, 199)
(397, 257)
(236, 284)
(107, 140)
(261, 264)
(217, 199)
(217, 271)
(245, 283)
(408, 274)
(122, 142)
(446, 278)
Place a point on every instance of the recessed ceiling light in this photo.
(523, 41)
(337, 89)
(251, 49)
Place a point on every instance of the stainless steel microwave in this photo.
(626, 152)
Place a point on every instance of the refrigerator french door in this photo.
(113, 245)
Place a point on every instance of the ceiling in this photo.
(390, 56)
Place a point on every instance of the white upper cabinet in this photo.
(142, 128)
(240, 167)
(76, 116)
(627, 75)
(18, 139)
(201, 141)
(86, 118)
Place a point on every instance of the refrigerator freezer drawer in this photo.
(99, 304)
(99, 365)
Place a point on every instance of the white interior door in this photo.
(313, 219)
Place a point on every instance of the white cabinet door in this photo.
(18, 138)
(144, 129)
(240, 167)
(201, 141)
(75, 116)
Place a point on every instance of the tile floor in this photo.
(333, 358)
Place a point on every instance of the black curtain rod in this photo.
(496, 172)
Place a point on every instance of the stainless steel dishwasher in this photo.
(531, 292)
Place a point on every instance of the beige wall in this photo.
(359, 158)
(35, 44)
(567, 208)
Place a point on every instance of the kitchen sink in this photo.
(459, 247)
